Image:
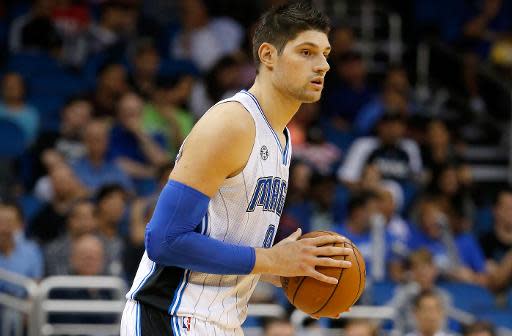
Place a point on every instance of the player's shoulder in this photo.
(228, 120)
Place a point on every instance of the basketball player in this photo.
(210, 237)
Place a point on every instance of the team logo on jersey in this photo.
(264, 152)
(269, 236)
(269, 193)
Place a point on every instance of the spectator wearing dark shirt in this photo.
(79, 222)
(145, 64)
(95, 169)
(111, 83)
(111, 204)
(138, 153)
(497, 244)
(50, 221)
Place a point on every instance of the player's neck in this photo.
(277, 107)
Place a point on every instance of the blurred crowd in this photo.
(103, 93)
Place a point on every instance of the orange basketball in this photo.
(323, 299)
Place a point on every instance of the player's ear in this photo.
(267, 54)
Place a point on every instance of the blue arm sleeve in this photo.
(171, 240)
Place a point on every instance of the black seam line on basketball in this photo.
(297, 289)
(335, 287)
(359, 269)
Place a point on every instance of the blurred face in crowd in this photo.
(503, 217)
(423, 270)
(13, 88)
(391, 131)
(280, 328)
(64, 181)
(396, 101)
(179, 93)
(437, 134)
(342, 40)
(448, 181)
(359, 329)
(81, 219)
(130, 111)
(112, 207)
(76, 115)
(397, 80)
(429, 315)
(88, 256)
(147, 62)
(96, 139)
(113, 79)
(194, 14)
(300, 178)
(352, 71)
(8, 225)
(429, 219)
(387, 205)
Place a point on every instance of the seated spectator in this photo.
(430, 315)
(14, 107)
(347, 90)
(79, 222)
(364, 226)
(342, 40)
(17, 255)
(395, 96)
(87, 256)
(95, 169)
(111, 205)
(278, 327)
(458, 256)
(204, 39)
(396, 157)
(423, 276)
(497, 244)
(138, 153)
(111, 83)
(50, 221)
(360, 327)
(145, 65)
(164, 113)
(479, 329)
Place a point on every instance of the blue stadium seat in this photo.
(30, 206)
(470, 298)
(382, 292)
(12, 139)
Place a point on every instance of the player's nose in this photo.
(323, 66)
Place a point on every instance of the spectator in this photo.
(360, 327)
(138, 153)
(95, 169)
(49, 222)
(79, 222)
(423, 276)
(430, 315)
(111, 206)
(17, 255)
(397, 157)
(347, 90)
(111, 84)
(342, 40)
(202, 39)
(87, 256)
(13, 106)
(278, 327)
(479, 329)
(497, 244)
(458, 256)
(165, 115)
(145, 67)
(359, 227)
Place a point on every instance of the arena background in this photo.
(407, 153)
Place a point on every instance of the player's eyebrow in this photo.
(314, 45)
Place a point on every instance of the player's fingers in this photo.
(326, 239)
(294, 236)
(322, 277)
(329, 262)
(332, 251)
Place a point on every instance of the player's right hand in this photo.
(294, 257)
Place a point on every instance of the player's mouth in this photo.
(317, 82)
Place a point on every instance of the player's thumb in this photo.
(294, 236)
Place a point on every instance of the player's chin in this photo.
(311, 97)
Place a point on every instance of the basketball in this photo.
(322, 299)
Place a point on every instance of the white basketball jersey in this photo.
(245, 211)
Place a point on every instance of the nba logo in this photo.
(186, 323)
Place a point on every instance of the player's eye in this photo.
(306, 52)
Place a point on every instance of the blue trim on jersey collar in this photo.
(287, 132)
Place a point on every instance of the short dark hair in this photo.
(359, 199)
(424, 294)
(479, 326)
(108, 189)
(283, 23)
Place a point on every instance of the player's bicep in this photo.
(219, 145)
